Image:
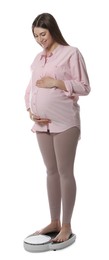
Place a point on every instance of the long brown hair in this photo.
(47, 21)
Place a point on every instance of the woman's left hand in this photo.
(46, 82)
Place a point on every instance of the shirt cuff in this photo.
(69, 88)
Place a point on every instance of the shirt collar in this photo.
(43, 55)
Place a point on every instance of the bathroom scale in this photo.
(41, 243)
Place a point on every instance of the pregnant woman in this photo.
(59, 77)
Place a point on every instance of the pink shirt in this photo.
(64, 63)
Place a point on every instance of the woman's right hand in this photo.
(37, 119)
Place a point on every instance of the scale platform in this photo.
(42, 243)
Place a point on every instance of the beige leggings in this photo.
(58, 152)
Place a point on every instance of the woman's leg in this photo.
(46, 146)
(65, 145)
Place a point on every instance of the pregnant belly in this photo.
(50, 103)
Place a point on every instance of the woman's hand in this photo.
(37, 119)
(41, 121)
(46, 82)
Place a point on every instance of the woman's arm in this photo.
(79, 83)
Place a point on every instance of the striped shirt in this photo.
(61, 107)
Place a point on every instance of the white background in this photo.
(23, 198)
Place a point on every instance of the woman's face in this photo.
(43, 37)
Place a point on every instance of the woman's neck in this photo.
(51, 48)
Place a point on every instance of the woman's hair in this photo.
(47, 21)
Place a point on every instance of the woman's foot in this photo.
(54, 226)
(64, 233)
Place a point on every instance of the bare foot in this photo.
(54, 226)
(64, 233)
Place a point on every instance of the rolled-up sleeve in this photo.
(79, 83)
